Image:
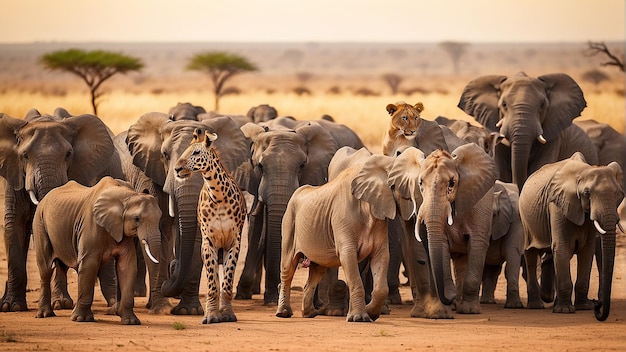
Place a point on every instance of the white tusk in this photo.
(33, 198)
(417, 231)
(541, 139)
(499, 123)
(414, 207)
(505, 142)
(147, 248)
(450, 222)
(600, 229)
(170, 207)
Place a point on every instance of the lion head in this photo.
(404, 118)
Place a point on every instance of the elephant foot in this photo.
(385, 309)
(284, 312)
(335, 312)
(535, 304)
(243, 294)
(513, 304)
(310, 313)
(131, 320)
(159, 306)
(394, 297)
(270, 298)
(487, 300)
(431, 308)
(13, 306)
(140, 290)
(188, 307)
(83, 315)
(563, 308)
(466, 307)
(62, 302)
(211, 319)
(359, 318)
(45, 312)
(584, 304)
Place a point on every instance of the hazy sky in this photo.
(312, 20)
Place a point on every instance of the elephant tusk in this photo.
(541, 139)
(147, 248)
(505, 142)
(33, 198)
(600, 229)
(417, 231)
(414, 207)
(499, 123)
(450, 221)
(170, 206)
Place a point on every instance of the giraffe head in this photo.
(196, 157)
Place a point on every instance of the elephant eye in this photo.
(504, 106)
(451, 183)
(68, 154)
(25, 156)
(260, 167)
(586, 193)
(542, 104)
(136, 218)
(166, 156)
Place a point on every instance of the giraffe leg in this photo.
(209, 255)
(226, 294)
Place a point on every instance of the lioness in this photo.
(401, 130)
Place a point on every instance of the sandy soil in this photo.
(257, 328)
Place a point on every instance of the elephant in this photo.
(262, 113)
(478, 135)
(84, 227)
(186, 111)
(610, 144)
(39, 153)
(343, 135)
(155, 143)
(282, 160)
(535, 117)
(451, 197)
(563, 206)
(340, 223)
(505, 245)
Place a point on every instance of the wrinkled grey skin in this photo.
(40, 153)
(535, 117)
(506, 245)
(155, 142)
(563, 207)
(262, 113)
(185, 111)
(478, 135)
(83, 227)
(282, 161)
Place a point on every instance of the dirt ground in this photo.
(257, 329)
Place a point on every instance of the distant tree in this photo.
(456, 50)
(94, 67)
(220, 66)
(393, 81)
(595, 48)
(595, 76)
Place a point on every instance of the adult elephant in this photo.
(155, 142)
(535, 117)
(282, 160)
(563, 206)
(262, 113)
(186, 111)
(341, 223)
(451, 196)
(39, 153)
(478, 135)
(85, 227)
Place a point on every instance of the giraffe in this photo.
(221, 216)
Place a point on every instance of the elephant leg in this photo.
(126, 268)
(226, 294)
(108, 282)
(189, 303)
(513, 258)
(562, 251)
(379, 262)
(253, 264)
(349, 263)
(323, 292)
(45, 275)
(585, 261)
(547, 277)
(140, 283)
(18, 218)
(157, 273)
(393, 273)
(60, 297)
(288, 269)
(490, 280)
(316, 272)
(338, 299)
(532, 285)
(87, 272)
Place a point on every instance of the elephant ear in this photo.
(502, 212)
(9, 161)
(108, 209)
(144, 142)
(619, 175)
(403, 179)
(93, 147)
(564, 185)
(480, 100)
(477, 175)
(566, 102)
(251, 130)
(370, 185)
(429, 137)
(232, 144)
(320, 149)
(344, 158)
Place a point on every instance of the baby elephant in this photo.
(83, 228)
(340, 223)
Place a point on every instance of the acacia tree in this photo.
(94, 67)
(456, 50)
(220, 66)
(393, 81)
(595, 48)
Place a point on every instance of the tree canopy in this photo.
(220, 66)
(94, 67)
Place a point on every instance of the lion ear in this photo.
(391, 108)
(419, 106)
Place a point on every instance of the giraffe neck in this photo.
(216, 177)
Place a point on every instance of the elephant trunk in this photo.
(520, 153)
(150, 238)
(187, 201)
(435, 227)
(522, 129)
(273, 244)
(603, 307)
(45, 177)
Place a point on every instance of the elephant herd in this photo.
(451, 201)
